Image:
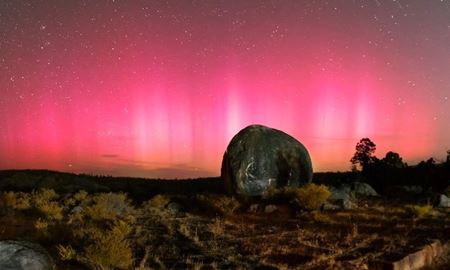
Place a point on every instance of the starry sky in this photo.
(158, 88)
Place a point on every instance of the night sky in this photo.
(158, 88)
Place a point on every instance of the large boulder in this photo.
(259, 158)
(22, 255)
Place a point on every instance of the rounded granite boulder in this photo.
(22, 255)
(259, 157)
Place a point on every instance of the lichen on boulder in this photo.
(259, 158)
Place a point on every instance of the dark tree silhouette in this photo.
(393, 160)
(448, 158)
(363, 156)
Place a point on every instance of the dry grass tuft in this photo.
(217, 227)
(420, 211)
(220, 204)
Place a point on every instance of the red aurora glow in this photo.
(158, 89)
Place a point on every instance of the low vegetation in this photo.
(94, 229)
(420, 211)
(219, 204)
(310, 197)
(113, 230)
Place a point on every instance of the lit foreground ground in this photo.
(109, 231)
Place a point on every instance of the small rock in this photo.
(253, 208)
(270, 208)
(174, 208)
(413, 189)
(348, 204)
(22, 255)
(330, 207)
(444, 201)
(77, 209)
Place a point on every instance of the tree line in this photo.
(391, 170)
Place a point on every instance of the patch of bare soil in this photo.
(281, 240)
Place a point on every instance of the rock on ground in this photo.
(270, 208)
(22, 255)
(253, 208)
(259, 158)
(175, 208)
(444, 201)
(363, 189)
(348, 204)
(351, 191)
(345, 195)
(341, 193)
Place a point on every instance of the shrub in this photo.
(274, 194)
(189, 232)
(66, 253)
(15, 200)
(80, 196)
(310, 196)
(109, 206)
(46, 195)
(447, 191)
(107, 249)
(44, 204)
(158, 201)
(218, 203)
(420, 211)
(41, 225)
(320, 217)
(50, 210)
(216, 227)
(70, 202)
(75, 217)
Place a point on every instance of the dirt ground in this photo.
(283, 239)
(190, 237)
